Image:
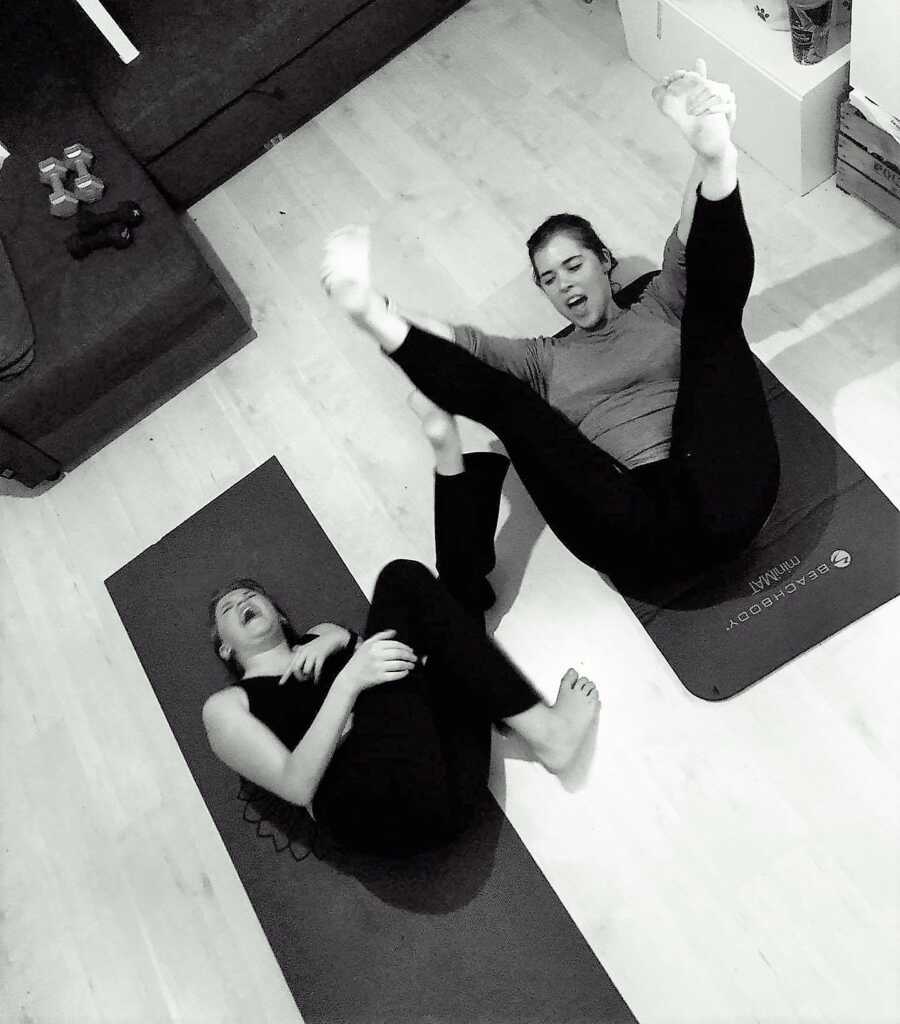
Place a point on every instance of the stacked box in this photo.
(868, 164)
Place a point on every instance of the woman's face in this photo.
(574, 279)
(247, 622)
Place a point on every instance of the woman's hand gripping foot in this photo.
(704, 111)
(347, 280)
(346, 274)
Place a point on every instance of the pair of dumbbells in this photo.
(111, 229)
(88, 188)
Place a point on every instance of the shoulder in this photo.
(222, 706)
(647, 305)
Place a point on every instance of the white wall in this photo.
(875, 52)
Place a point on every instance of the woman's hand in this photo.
(345, 273)
(309, 658)
(703, 110)
(713, 98)
(380, 659)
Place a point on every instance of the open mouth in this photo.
(248, 613)
(577, 302)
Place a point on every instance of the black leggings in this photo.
(710, 497)
(413, 768)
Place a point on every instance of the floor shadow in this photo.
(435, 881)
(794, 361)
(775, 309)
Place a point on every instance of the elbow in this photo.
(303, 802)
(296, 789)
(300, 796)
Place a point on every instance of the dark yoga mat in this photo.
(472, 933)
(829, 554)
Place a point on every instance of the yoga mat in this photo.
(467, 934)
(829, 554)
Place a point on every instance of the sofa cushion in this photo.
(98, 320)
(16, 335)
(220, 146)
(195, 58)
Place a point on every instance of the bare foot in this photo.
(570, 719)
(345, 273)
(701, 109)
(442, 432)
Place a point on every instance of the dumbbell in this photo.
(116, 235)
(90, 222)
(88, 187)
(63, 203)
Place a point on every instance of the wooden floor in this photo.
(727, 863)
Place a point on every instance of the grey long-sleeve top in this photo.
(618, 382)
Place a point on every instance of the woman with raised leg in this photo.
(386, 740)
(643, 435)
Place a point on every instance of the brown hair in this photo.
(245, 583)
(581, 230)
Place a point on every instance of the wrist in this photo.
(346, 684)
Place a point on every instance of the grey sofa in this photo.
(91, 346)
(217, 80)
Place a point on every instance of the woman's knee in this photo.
(403, 582)
(404, 574)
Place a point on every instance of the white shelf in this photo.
(737, 27)
(875, 68)
(788, 111)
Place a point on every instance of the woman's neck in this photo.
(271, 662)
(610, 314)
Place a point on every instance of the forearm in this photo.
(716, 179)
(311, 757)
(689, 201)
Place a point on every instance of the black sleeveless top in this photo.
(288, 710)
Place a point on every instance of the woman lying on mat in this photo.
(387, 740)
(643, 436)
